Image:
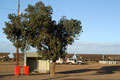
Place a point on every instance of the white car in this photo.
(59, 61)
(73, 61)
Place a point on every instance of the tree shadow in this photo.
(32, 74)
(108, 70)
(76, 71)
(75, 79)
(101, 71)
(56, 77)
(6, 75)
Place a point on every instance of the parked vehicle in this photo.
(73, 61)
(59, 61)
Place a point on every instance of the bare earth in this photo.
(66, 72)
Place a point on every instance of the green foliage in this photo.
(50, 38)
(36, 28)
(15, 31)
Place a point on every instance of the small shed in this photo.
(36, 63)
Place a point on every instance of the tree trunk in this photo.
(52, 69)
(17, 56)
(23, 57)
(23, 54)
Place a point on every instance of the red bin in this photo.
(26, 70)
(17, 70)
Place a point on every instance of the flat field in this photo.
(66, 72)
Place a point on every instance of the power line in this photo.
(8, 8)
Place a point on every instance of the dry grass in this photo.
(66, 72)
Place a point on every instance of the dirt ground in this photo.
(66, 72)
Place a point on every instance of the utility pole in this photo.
(18, 7)
(17, 50)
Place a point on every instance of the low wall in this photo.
(108, 62)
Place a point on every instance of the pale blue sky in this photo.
(100, 19)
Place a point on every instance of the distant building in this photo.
(98, 57)
(21, 56)
(68, 56)
(113, 57)
(4, 56)
(89, 57)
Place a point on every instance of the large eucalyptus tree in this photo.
(40, 31)
(50, 38)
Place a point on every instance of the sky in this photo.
(100, 22)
